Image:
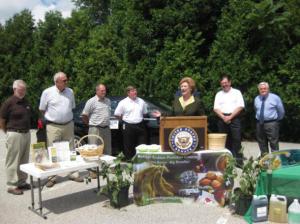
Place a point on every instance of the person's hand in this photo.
(156, 113)
(85, 119)
(227, 119)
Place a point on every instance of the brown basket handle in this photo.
(86, 136)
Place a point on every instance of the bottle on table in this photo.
(294, 212)
(73, 155)
(259, 208)
(277, 210)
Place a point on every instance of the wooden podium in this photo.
(198, 123)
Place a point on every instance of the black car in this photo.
(80, 129)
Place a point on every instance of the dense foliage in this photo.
(153, 44)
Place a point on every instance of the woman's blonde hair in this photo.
(189, 81)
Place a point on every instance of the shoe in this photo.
(76, 179)
(50, 183)
(93, 174)
(25, 186)
(14, 191)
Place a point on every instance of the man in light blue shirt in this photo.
(269, 111)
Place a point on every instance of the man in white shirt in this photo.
(56, 105)
(131, 111)
(228, 105)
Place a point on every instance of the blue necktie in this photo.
(262, 110)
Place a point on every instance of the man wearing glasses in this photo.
(56, 104)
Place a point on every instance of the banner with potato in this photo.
(168, 177)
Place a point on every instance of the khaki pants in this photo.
(57, 133)
(18, 149)
(104, 133)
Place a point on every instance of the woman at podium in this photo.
(185, 103)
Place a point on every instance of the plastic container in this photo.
(277, 209)
(294, 212)
(259, 208)
(52, 152)
(73, 155)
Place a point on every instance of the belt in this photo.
(18, 131)
(133, 123)
(51, 122)
(268, 121)
(98, 126)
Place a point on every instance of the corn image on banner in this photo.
(168, 177)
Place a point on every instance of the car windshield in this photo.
(78, 109)
(151, 107)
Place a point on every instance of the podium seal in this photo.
(183, 140)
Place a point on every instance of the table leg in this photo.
(40, 196)
(38, 211)
(40, 199)
(98, 179)
(32, 192)
(269, 182)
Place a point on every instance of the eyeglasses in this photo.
(65, 80)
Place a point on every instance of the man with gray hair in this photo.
(269, 111)
(56, 105)
(15, 120)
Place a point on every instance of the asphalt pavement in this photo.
(70, 202)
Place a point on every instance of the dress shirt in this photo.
(227, 102)
(273, 110)
(132, 110)
(98, 111)
(184, 104)
(57, 104)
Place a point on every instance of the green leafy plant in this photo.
(230, 172)
(246, 178)
(118, 175)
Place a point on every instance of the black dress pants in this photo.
(133, 135)
(234, 138)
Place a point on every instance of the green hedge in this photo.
(153, 44)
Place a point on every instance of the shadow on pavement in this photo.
(73, 201)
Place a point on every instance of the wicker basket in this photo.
(216, 141)
(91, 153)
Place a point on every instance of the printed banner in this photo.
(282, 158)
(167, 177)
